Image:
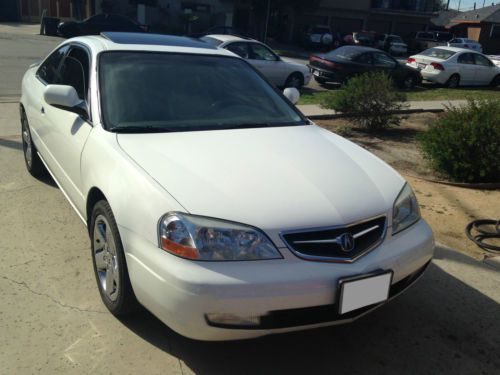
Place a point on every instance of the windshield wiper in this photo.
(140, 129)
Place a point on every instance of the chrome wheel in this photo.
(105, 257)
(28, 151)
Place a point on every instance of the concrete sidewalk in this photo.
(20, 28)
(314, 111)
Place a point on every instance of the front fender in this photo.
(136, 199)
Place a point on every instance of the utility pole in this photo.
(459, 2)
(448, 5)
(267, 19)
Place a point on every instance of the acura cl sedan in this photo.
(208, 197)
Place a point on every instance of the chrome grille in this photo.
(340, 243)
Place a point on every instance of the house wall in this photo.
(31, 10)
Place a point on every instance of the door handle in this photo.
(42, 110)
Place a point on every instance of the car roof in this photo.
(453, 49)
(147, 42)
(227, 37)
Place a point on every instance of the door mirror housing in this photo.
(292, 94)
(66, 98)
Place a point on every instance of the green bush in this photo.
(369, 99)
(464, 144)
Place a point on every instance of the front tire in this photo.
(295, 80)
(453, 82)
(109, 262)
(496, 81)
(33, 162)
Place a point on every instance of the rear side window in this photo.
(382, 60)
(346, 53)
(438, 53)
(241, 49)
(466, 58)
(49, 70)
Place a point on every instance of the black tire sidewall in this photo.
(290, 77)
(454, 76)
(36, 169)
(125, 302)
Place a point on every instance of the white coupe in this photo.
(455, 67)
(209, 198)
(280, 71)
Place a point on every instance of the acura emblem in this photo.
(346, 242)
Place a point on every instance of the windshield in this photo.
(212, 41)
(438, 53)
(145, 92)
(346, 53)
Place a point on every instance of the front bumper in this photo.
(287, 294)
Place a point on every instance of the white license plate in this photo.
(421, 66)
(362, 291)
(317, 73)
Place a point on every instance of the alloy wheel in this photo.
(105, 257)
(28, 151)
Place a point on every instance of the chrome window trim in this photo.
(300, 255)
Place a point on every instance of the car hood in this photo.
(272, 178)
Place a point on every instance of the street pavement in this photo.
(53, 322)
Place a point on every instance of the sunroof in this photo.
(155, 39)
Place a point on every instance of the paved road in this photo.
(17, 52)
(52, 320)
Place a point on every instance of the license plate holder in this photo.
(364, 290)
(421, 66)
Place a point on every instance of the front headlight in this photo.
(406, 211)
(202, 238)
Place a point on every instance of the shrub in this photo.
(464, 143)
(369, 99)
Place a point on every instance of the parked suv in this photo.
(427, 39)
(318, 36)
(393, 44)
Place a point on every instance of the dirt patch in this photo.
(447, 209)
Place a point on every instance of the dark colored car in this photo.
(348, 61)
(97, 24)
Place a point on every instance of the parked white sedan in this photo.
(455, 67)
(279, 70)
(210, 199)
(466, 43)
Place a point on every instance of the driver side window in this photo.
(260, 52)
(49, 70)
(75, 71)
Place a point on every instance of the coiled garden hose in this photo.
(483, 233)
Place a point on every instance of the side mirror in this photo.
(65, 97)
(292, 94)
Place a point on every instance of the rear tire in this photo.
(453, 82)
(33, 162)
(409, 82)
(108, 259)
(295, 80)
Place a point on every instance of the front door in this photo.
(67, 132)
(467, 69)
